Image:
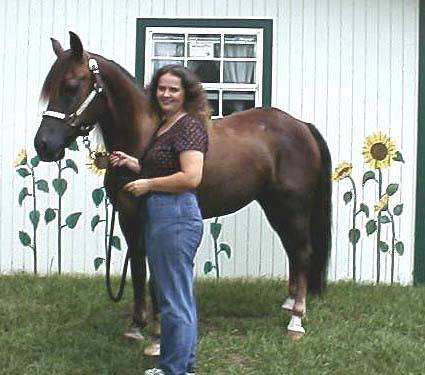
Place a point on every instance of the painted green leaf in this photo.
(399, 247)
(371, 227)
(215, 229)
(369, 175)
(365, 209)
(24, 238)
(42, 185)
(23, 172)
(98, 262)
(398, 157)
(116, 242)
(60, 186)
(35, 161)
(35, 218)
(208, 267)
(384, 219)
(22, 195)
(347, 197)
(354, 236)
(71, 164)
(398, 210)
(73, 146)
(391, 189)
(72, 219)
(383, 246)
(98, 195)
(226, 248)
(49, 215)
(94, 221)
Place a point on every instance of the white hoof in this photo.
(296, 325)
(153, 350)
(288, 304)
(134, 333)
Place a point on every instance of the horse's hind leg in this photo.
(293, 228)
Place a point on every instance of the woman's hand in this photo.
(121, 159)
(138, 187)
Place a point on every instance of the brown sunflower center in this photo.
(379, 151)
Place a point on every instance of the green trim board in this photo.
(265, 24)
(419, 262)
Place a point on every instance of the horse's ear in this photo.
(76, 45)
(57, 48)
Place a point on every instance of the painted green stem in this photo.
(392, 245)
(34, 200)
(217, 270)
(354, 214)
(59, 164)
(106, 226)
(378, 236)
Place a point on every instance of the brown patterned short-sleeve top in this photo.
(162, 159)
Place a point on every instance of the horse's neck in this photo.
(128, 124)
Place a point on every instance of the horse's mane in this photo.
(51, 85)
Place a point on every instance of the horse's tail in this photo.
(321, 219)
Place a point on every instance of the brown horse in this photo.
(262, 154)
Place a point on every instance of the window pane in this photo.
(240, 45)
(168, 45)
(207, 71)
(157, 64)
(213, 102)
(204, 45)
(236, 101)
(239, 72)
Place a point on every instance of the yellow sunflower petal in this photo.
(342, 171)
(382, 204)
(379, 150)
(21, 158)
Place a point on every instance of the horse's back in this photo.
(251, 152)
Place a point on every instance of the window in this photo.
(229, 57)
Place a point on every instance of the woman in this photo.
(170, 173)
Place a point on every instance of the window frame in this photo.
(266, 25)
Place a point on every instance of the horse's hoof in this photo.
(295, 328)
(134, 333)
(295, 335)
(153, 350)
(288, 305)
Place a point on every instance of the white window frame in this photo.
(257, 87)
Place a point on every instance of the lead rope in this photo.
(99, 158)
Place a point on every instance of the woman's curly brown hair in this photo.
(195, 98)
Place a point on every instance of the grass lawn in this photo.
(67, 325)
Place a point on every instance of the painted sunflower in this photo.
(382, 204)
(379, 150)
(21, 158)
(342, 170)
(96, 162)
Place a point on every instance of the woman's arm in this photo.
(188, 178)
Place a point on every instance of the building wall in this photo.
(350, 67)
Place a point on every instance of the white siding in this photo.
(350, 67)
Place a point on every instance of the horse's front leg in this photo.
(289, 302)
(132, 229)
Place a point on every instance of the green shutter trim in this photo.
(265, 24)
(419, 266)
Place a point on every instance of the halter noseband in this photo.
(72, 119)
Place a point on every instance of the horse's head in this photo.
(73, 91)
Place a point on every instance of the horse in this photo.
(261, 154)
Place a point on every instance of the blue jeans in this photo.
(173, 232)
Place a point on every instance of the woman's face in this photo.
(170, 94)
